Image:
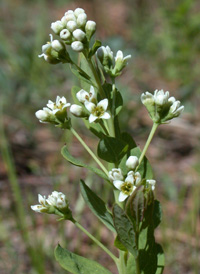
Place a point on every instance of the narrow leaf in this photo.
(77, 264)
(124, 230)
(97, 206)
(66, 154)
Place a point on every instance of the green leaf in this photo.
(77, 264)
(160, 259)
(124, 229)
(97, 206)
(119, 245)
(66, 154)
(144, 168)
(131, 268)
(111, 149)
(94, 48)
(118, 102)
(81, 75)
(125, 136)
(157, 213)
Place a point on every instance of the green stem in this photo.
(153, 130)
(115, 259)
(89, 151)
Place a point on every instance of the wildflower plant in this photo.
(135, 212)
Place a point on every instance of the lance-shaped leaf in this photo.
(66, 154)
(77, 264)
(97, 206)
(125, 231)
(94, 48)
(111, 149)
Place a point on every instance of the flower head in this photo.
(160, 106)
(57, 199)
(115, 174)
(112, 65)
(128, 185)
(97, 111)
(55, 112)
(43, 205)
(83, 95)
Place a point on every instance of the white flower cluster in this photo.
(160, 106)
(131, 181)
(56, 200)
(74, 28)
(55, 112)
(88, 99)
(112, 65)
(54, 51)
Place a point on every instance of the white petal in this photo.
(122, 196)
(106, 115)
(117, 184)
(90, 106)
(82, 95)
(92, 118)
(103, 103)
(130, 179)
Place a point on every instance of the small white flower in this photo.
(132, 162)
(57, 199)
(120, 57)
(57, 26)
(126, 187)
(60, 104)
(44, 115)
(77, 46)
(83, 95)
(81, 20)
(65, 34)
(77, 110)
(152, 183)
(97, 111)
(79, 34)
(175, 109)
(71, 25)
(136, 175)
(78, 11)
(115, 174)
(161, 97)
(147, 98)
(43, 206)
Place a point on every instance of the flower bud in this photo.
(115, 174)
(152, 183)
(90, 28)
(77, 46)
(161, 97)
(71, 25)
(77, 111)
(79, 34)
(65, 34)
(132, 162)
(70, 17)
(78, 11)
(57, 26)
(44, 115)
(81, 20)
(57, 45)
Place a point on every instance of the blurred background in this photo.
(163, 38)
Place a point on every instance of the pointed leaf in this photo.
(124, 229)
(77, 264)
(94, 48)
(66, 154)
(97, 206)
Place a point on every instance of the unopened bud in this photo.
(57, 26)
(132, 162)
(78, 11)
(77, 46)
(77, 111)
(57, 45)
(65, 34)
(79, 34)
(82, 19)
(90, 28)
(71, 25)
